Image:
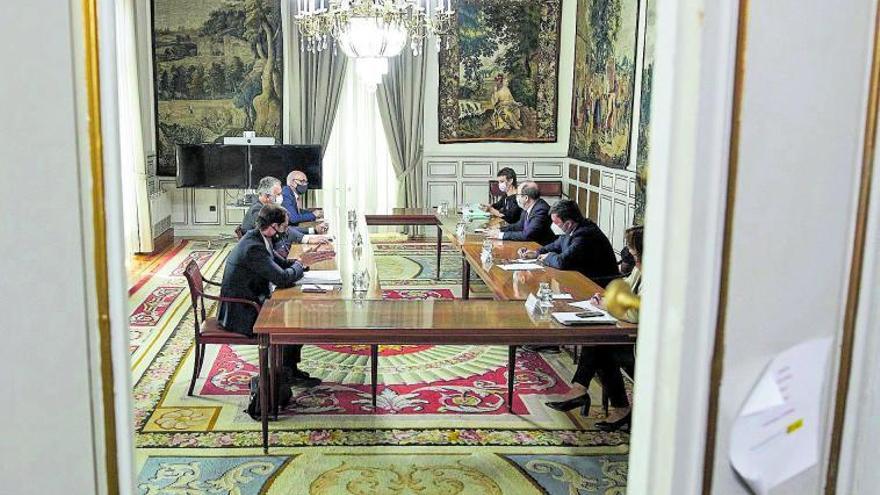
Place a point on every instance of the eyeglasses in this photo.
(301, 181)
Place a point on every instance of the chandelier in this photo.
(372, 31)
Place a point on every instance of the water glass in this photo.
(545, 295)
(443, 208)
(360, 281)
(461, 229)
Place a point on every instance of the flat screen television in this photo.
(212, 166)
(279, 160)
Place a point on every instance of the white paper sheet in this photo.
(520, 266)
(320, 277)
(562, 297)
(776, 434)
(318, 287)
(531, 303)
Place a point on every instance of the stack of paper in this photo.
(321, 277)
(521, 266)
(474, 212)
(574, 319)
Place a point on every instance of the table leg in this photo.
(511, 374)
(374, 371)
(439, 248)
(465, 278)
(275, 373)
(264, 397)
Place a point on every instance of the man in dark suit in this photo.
(534, 221)
(297, 186)
(252, 268)
(583, 247)
(269, 191)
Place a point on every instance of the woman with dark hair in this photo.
(505, 207)
(606, 361)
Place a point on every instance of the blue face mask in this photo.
(302, 188)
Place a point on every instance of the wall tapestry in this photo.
(604, 80)
(645, 112)
(499, 76)
(217, 69)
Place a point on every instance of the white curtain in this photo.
(358, 173)
(136, 213)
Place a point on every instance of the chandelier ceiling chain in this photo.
(371, 31)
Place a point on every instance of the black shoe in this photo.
(305, 382)
(621, 423)
(567, 405)
(298, 373)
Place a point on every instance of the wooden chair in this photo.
(208, 329)
(548, 189)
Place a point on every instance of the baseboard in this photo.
(163, 242)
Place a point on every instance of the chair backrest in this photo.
(193, 275)
(550, 188)
(494, 191)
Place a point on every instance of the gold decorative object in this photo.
(619, 299)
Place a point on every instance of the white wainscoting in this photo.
(466, 179)
(201, 212)
(606, 195)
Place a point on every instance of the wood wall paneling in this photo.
(547, 169)
(476, 169)
(594, 178)
(572, 192)
(573, 171)
(442, 169)
(619, 223)
(179, 201)
(594, 206)
(475, 192)
(206, 206)
(582, 199)
(441, 191)
(521, 168)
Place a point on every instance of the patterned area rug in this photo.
(440, 426)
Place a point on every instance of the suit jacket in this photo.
(294, 234)
(586, 250)
(297, 216)
(532, 226)
(250, 269)
(508, 208)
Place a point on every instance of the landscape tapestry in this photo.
(645, 112)
(217, 72)
(604, 79)
(499, 75)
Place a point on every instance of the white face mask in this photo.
(502, 186)
(521, 201)
(279, 200)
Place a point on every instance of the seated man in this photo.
(252, 268)
(583, 247)
(269, 191)
(506, 207)
(534, 222)
(297, 186)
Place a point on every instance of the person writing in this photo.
(534, 221)
(583, 246)
(506, 207)
(252, 269)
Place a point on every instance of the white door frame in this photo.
(693, 105)
(691, 136)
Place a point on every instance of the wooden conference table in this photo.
(292, 317)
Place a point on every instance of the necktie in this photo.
(299, 203)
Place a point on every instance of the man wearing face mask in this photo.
(583, 247)
(268, 192)
(252, 269)
(506, 207)
(534, 221)
(293, 193)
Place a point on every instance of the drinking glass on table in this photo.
(545, 295)
(360, 282)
